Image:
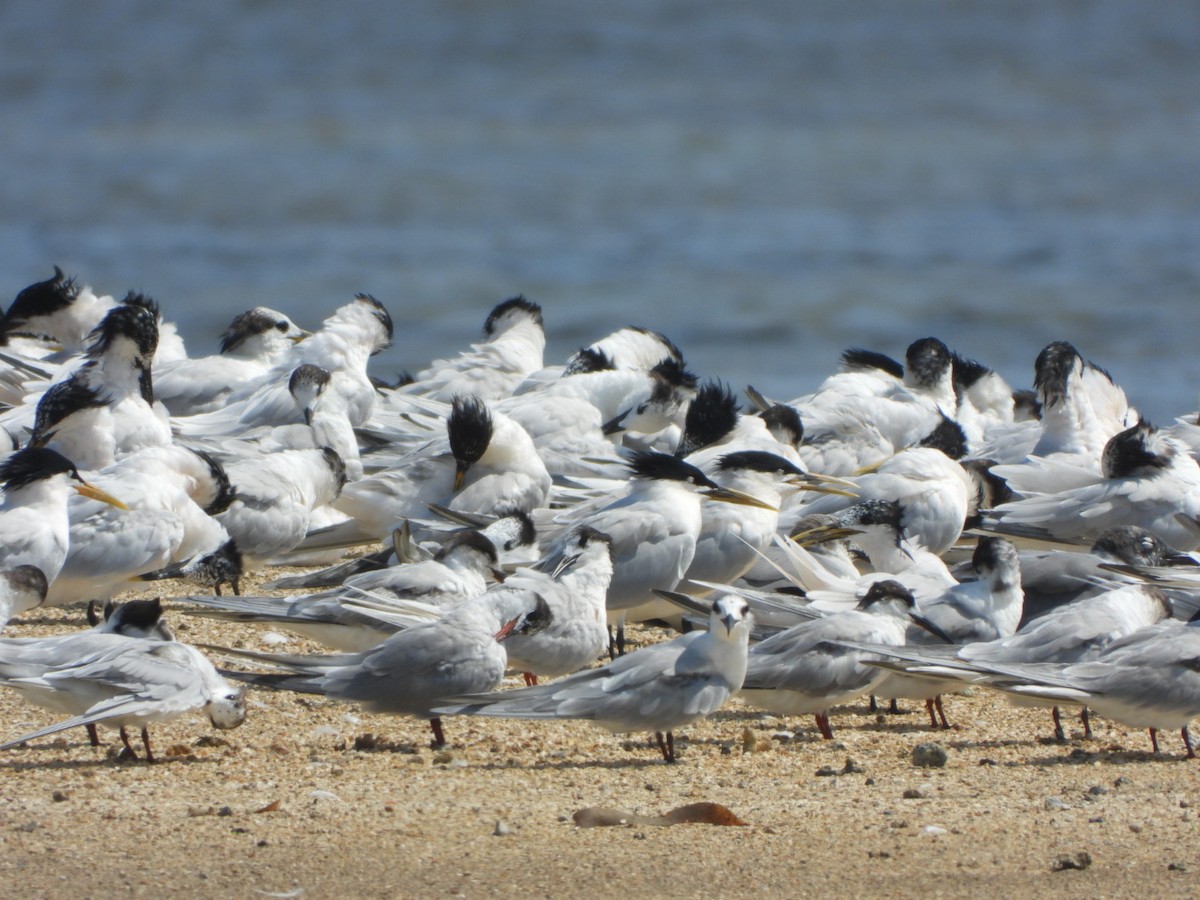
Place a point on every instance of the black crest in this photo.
(507, 306)
(856, 359)
(784, 423)
(379, 312)
(758, 461)
(59, 402)
(469, 429)
(249, 324)
(711, 415)
(32, 464)
(42, 298)
(927, 361)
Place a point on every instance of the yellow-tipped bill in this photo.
(94, 493)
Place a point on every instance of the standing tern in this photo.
(407, 673)
(122, 682)
(657, 688)
(804, 670)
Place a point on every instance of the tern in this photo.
(656, 688)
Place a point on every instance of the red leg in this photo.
(1154, 739)
(1086, 718)
(93, 735)
(937, 704)
(146, 744)
(530, 679)
(823, 725)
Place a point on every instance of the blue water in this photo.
(767, 183)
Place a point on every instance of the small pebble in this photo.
(501, 829)
(1122, 781)
(225, 811)
(933, 830)
(1177, 867)
(1136, 827)
(1097, 790)
(1080, 860)
(1054, 803)
(60, 796)
(918, 793)
(929, 755)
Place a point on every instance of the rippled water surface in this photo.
(768, 183)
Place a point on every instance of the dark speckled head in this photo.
(758, 461)
(887, 590)
(1052, 371)
(60, 401)
(927, 361)
(249, 324)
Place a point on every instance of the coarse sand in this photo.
(312, 798)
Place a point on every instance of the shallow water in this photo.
(766, 183)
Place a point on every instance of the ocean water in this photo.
(766, 183)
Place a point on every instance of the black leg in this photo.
(439, 739)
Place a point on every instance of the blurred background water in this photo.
(768, 183)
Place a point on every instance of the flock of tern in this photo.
(904, 530)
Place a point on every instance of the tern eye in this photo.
(641, 409)
(281, 326)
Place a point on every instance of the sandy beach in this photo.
(311, 798)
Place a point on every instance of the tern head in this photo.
(1138, 451)
(1135, 546)
(382, 318)
(887, 591)
(997, 559)
(948, 437)
(712, 414)
(37, 464)
(783, 422)
(529, 622)
(1026, 406)
(469, 429)
(1053, 370)
(135, 618)
(60, 402)
(129, 333)
(511, 531)
(472, 548)
(257, 322)
(730, 612)
(926, 363)
(508, 313)
(218, 494)
(38, 302)
(227, 709)
(307, 384)
(869, 517)
(580, 541)
(760, 461)
(672, 386)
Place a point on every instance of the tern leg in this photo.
(1059, 734)
(530, 679)
(874, 704)
(439, 739)
(666, 745)
(932, 704)
(1187, 742)
(894, 706)
(1154, 739)
(128, 746)
(1086, 718)
(146, 744)
(823, 725)
(93, 735)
